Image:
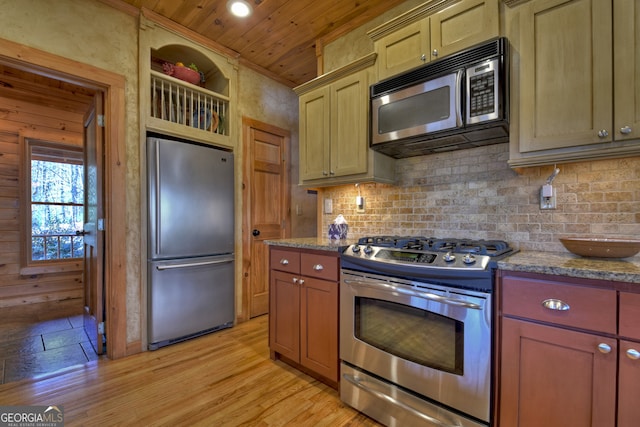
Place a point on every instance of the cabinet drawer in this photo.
(321, 266)
(585, 308)
(630, 315)
(288, 261)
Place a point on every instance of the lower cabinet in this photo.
(303, 312)
(569, 353)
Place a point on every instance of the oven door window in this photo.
(410, 333)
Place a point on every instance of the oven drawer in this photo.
(559, 303)
(282, 260)
(320, 266)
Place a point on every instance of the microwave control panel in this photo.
(482, 92)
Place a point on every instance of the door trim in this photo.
(113, 86)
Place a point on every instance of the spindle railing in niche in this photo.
(183, 103)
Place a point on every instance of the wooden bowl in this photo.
(602, 248)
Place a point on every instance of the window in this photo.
(55, 198)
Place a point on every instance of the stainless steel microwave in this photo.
(459, 101)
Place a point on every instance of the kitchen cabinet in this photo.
(303, 312)
(430, 31)
(562, 346)
(334, 122)
(200, 110)
(563, 105)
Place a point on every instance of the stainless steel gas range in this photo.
(415, 329)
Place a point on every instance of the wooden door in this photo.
(284, 321)
(626, 59)
(349, 124)
(406, 48)
(555, 377)
(314, 135)
(93, 229)
(565, 74)
(319, 326)
(629, 384)
(266, 213)
(462, 25)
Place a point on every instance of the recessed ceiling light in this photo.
(239, 8)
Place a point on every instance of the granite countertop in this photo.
(561, 264)
(318, 243)
(567, 264)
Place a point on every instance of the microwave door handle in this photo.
(459, 79)
(426, 295)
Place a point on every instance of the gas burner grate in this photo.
(473, 246)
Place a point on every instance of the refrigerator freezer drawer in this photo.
(189, 297)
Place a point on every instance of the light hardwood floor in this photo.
(222, 379)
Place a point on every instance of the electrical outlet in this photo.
(547, 197)
(328, 206)
(360, 204)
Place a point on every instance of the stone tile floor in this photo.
(29, 350)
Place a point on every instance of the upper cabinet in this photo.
(569, 101)
(432, 30)
(186, 88)
(334, 121)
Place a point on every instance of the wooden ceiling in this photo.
(280, 36)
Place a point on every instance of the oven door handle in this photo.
(426, 295)
(359, 383)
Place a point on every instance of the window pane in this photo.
(56, 182)
(56, 219)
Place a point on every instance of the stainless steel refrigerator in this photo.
(191, 240)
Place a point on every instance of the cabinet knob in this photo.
(555, 304)
(324, 173)
(633, 354)
(301, 281)
(435, 52)
(332, 173)
(284, 261)
(423, 58)
(295, 280)
(604, 348)
(318, 267)
(626, 130)
(603, 133)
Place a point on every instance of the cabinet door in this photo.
(314, 134)
(403, 49)
(462, 25)
(349, 125)
(284, 315)
(626, 39)
(319, 327)
(555, 377)
(629, 384)
(565, 73)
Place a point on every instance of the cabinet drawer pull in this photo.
(318, 267)
(626, 130)
(295, 280)
(284, 261)
(633, 354)
(604, 348)
(555, 304)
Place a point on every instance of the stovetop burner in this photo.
(492, 248)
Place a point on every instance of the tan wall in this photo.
(474, 193)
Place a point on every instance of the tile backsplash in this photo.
(474, 193)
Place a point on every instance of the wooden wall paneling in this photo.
(47, 117)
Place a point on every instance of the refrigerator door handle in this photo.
(193, 264)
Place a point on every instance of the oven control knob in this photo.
(449, 257)
(469, 259)
(355, 249)
(368, 249)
